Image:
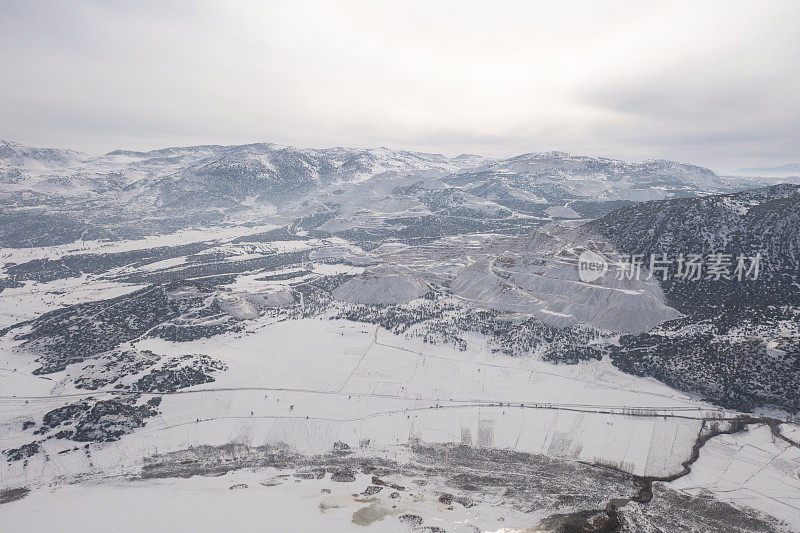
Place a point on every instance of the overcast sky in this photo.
(714, 83)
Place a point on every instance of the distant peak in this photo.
(126, 152)
(552, 154)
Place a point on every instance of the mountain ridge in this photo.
(780, 171)
(129, 194)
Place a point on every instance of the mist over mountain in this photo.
(782, 171)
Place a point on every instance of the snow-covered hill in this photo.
(396, 340)
(128, 194)
(738, 339)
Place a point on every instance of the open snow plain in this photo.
(305, 407)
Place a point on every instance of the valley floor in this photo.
(271, 407)
(316, 384)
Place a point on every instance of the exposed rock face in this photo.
(384, 284)
(343, 252)
(538, 275)
(247, 305)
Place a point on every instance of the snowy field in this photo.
(313, 383)
(199, 504)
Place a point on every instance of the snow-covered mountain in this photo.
(737, 340)
(781, 171)
(66, 195)
(17, 155)
(396, 338)
(653, 173)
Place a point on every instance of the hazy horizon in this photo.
(712, 84)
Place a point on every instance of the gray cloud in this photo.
(708, 82)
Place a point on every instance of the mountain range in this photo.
(338, 316)
(782, 171)
(54, 196)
